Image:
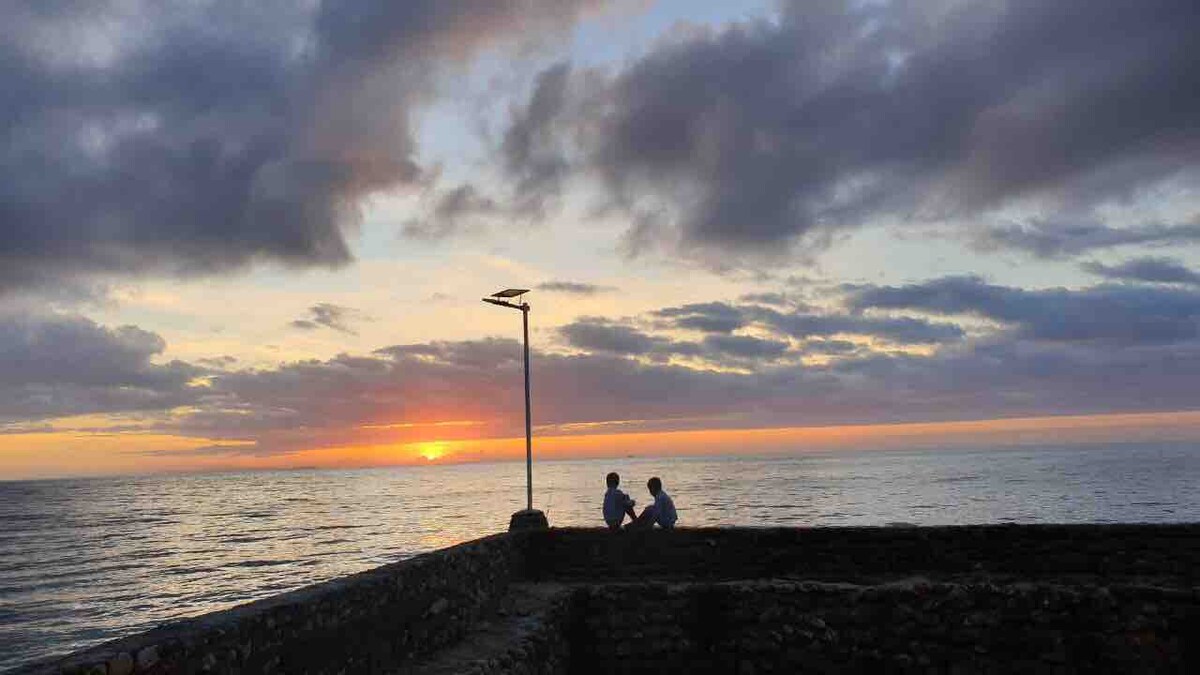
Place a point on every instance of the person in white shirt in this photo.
(616, 503)
(662, 511)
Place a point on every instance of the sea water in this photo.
(85, 561)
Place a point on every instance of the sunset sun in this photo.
(432, 451)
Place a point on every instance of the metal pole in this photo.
(528, 418)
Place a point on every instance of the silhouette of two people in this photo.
(617, 505)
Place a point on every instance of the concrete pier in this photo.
(1046, 598)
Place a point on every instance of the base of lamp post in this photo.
(528, 519)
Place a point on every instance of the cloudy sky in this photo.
(238, 234)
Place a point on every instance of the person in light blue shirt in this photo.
(616, 503)
(662, 511)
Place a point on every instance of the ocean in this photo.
(85, 561)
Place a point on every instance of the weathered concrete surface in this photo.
(1120, 598)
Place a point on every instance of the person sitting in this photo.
(662, 511)
(616, 503)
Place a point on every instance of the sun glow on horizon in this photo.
(65, 453)
(770, 441)
(431, 451)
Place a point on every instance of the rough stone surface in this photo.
(526, 633)
(366, 622)
(1056, 599)
(788, 626)
(121, 664)
(147, 657)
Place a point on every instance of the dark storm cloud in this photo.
(530, 148)
(1153, 270)
(573, 288)
(1053, 240)
(329, 315)
(838, 347)
(708, 317)
(333, 402)
(453, 212)
(902, 330)
(345, 399)
(220, 362)
(1118, 314)
(746, 346)
(769, 298)
(723, 346)
(599, 335)
(1006, 378)
(606, 337)
(763, 133)
(719, 317)
(51, 366)
(1056, 351)
(186, 138)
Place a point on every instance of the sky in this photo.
(255, 234)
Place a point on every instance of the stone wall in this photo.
(788, 627)
(957, 599)
(1082, 553)
(527, 635)
(368, 622)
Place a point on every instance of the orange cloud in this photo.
(1070, 429)
(63, 453)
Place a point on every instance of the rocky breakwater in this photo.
(1004, 598)
(915, 626)
(368, 622)
(1058, 599)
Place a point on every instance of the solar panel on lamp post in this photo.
(529, 518)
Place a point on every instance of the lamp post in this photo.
(529, 518)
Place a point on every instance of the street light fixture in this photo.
(529, 518)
